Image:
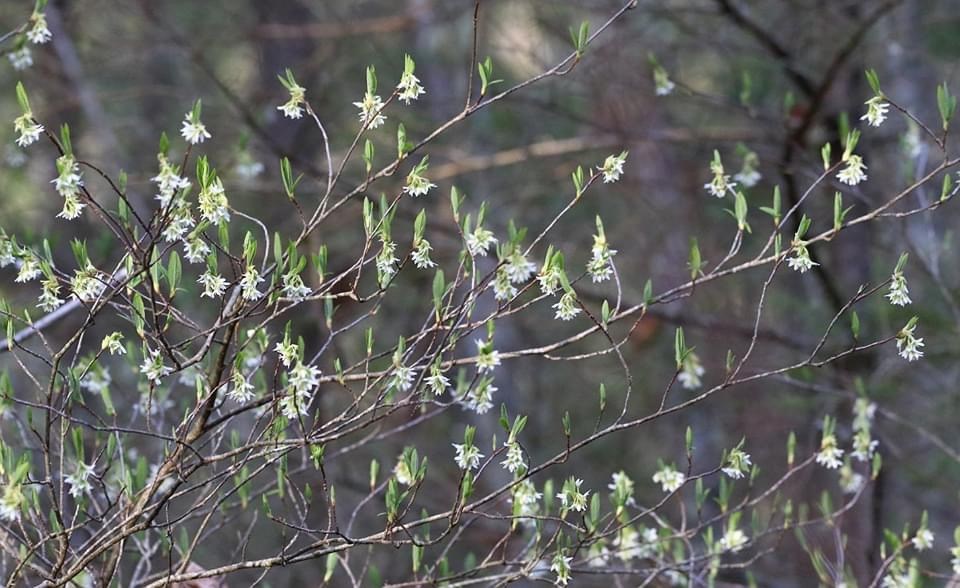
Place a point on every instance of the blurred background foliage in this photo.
(770, 76)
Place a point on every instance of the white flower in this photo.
(669, 478)
(214, 285)
(421, 255)
(690, 372)
(402, 472)
(97, 380)
(853, 174)
(876, 111)
(152, 367)
(468, 456)
(863, 446)
(748, 176)
(800, 261)
(29, 269)
(193, 130)
(214, 207)
(503, 289)
(409, 86)
(480, 398)
(561, 567)
(566, 307)
(733, 540)
(113, 343)
(720, 184)
(850, 481)
(571, 497)
(612, 167)
(403, 378)
(487, 357)
(417, 185)
(370, 108)
(29, 130)
(899, 294)
(908, 345)
(292, 108)
(86, 284)
(436, 381)
(526, 499)
(39, 33)
(241, 390)
(829, 454)
(50, 296)
(923, 540)
(621, 488)
(294, 288)
(248, 284)
(168, 181)
(79, 480)
(248, 168)
(738, 464)
(479, 241)
(386, 261)
(549, 279)
(181, 221)
(288, 352)
(21, 58)
(518, 268)
(514, 460)
(664, 85)
(195, 249)
(10, 502)
(600, 266)
(304, 378)
(955, 561)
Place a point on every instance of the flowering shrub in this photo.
(166, 396)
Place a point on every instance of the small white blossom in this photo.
(288, 352)
(50, 296)
(690, 372)
(503, 288)
(800, 261)
(293, 108)
(29, 269)
(749, 176)
(854, 172)
(738, 464)
(549, 280)
(21, 58)
(571, 497)
(193, 130)
(851, 481)
(908, 345)
(479, 241)
(113, 343)
(294, 288)
(468, 456)
(421, 255)
(214, 285)
(876, 111)
(409, 86)
(370, 108)
(514, 460)
(436, 381)
(829, 454)
(733, 540)
(612, 167)
(403, 378)
(39, 33)
(401, 471)
(518, 268)
(488, 358)
(923, 540)
(480, 398)
(899, 294)
(566, 307)
(417, 185)
(669, 478)
(79, 480)
(195, 249)
(152, 367)
(29, 131)
(168, 180)
(561, 567)
(241, 390)
(249, 282)
(214, 207)
(720, 184)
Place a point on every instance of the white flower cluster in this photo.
(669, 478)
(301, 381)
